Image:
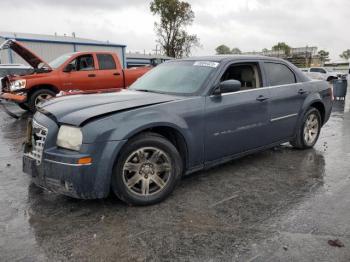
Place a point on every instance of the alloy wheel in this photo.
(41, 98)
(146, 171)
(311, 129)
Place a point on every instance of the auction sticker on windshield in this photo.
(206, 63)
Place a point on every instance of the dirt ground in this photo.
(278, 205)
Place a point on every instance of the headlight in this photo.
(70, 137)
(18, 84)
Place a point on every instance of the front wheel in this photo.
(40, 95)
(147, 170)
(309, 130)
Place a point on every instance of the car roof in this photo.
(220, 58)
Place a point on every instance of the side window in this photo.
(83, 63)
(313, 70)
(106, 62)
(322, 71)
(247, 74)
(279, 74)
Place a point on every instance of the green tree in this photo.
(282, 46)
(236, 51)
(345, 54)
(324, 55)
(223, 50)
(175, 16)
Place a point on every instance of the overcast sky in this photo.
(247, 24)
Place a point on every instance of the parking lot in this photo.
(278, 205)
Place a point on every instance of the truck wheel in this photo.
(147, 170)
(38, 96)
(23, 106)
(309, 130)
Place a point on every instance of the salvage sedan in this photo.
(181, 117)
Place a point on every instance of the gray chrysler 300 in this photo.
(182, 116)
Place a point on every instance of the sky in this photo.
(250, 25)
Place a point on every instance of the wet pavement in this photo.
(278, 205)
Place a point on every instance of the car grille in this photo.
(38, 138)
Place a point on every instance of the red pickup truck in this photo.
(79, 71)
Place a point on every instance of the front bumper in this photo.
(60, 173)
(14, 97)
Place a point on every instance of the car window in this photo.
(83, 63)
(248, 74)
(279, 74)
(314, 70)
(106, 62)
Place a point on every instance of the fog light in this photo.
(85, 161)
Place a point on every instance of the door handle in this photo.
(301, 91)
(116, 74)
(91, 75)
(262, 98)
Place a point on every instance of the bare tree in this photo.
(174, 15)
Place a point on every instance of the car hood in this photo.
(31, 58)
(78, 109)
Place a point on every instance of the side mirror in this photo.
(68, 68)
(228, 86)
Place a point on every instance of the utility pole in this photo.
(156, 50)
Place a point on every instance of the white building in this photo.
(49, 47)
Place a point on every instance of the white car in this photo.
(323, 73)
(13, 69)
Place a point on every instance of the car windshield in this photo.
(178, 77)
(59, 60)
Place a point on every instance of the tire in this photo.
(308, 133)
(136, 179)
(40, 94)
(24, 106)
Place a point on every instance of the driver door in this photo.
(82, 75)
(237, 122)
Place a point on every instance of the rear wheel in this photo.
(147, 170)
(309, 130)
(39, 96)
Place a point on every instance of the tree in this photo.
(175, 15)
(223, 50)
(236, 51)
(324, 55)
(345, 54)
(282, 46)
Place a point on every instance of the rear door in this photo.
(109, 74)
(238, 121)
(287, 97)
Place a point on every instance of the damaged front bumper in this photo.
(14, 97)
(60, 171)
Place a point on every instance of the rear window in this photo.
(279, 74)
(106, 62)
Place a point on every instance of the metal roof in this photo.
(55, 39)
(146, 56)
